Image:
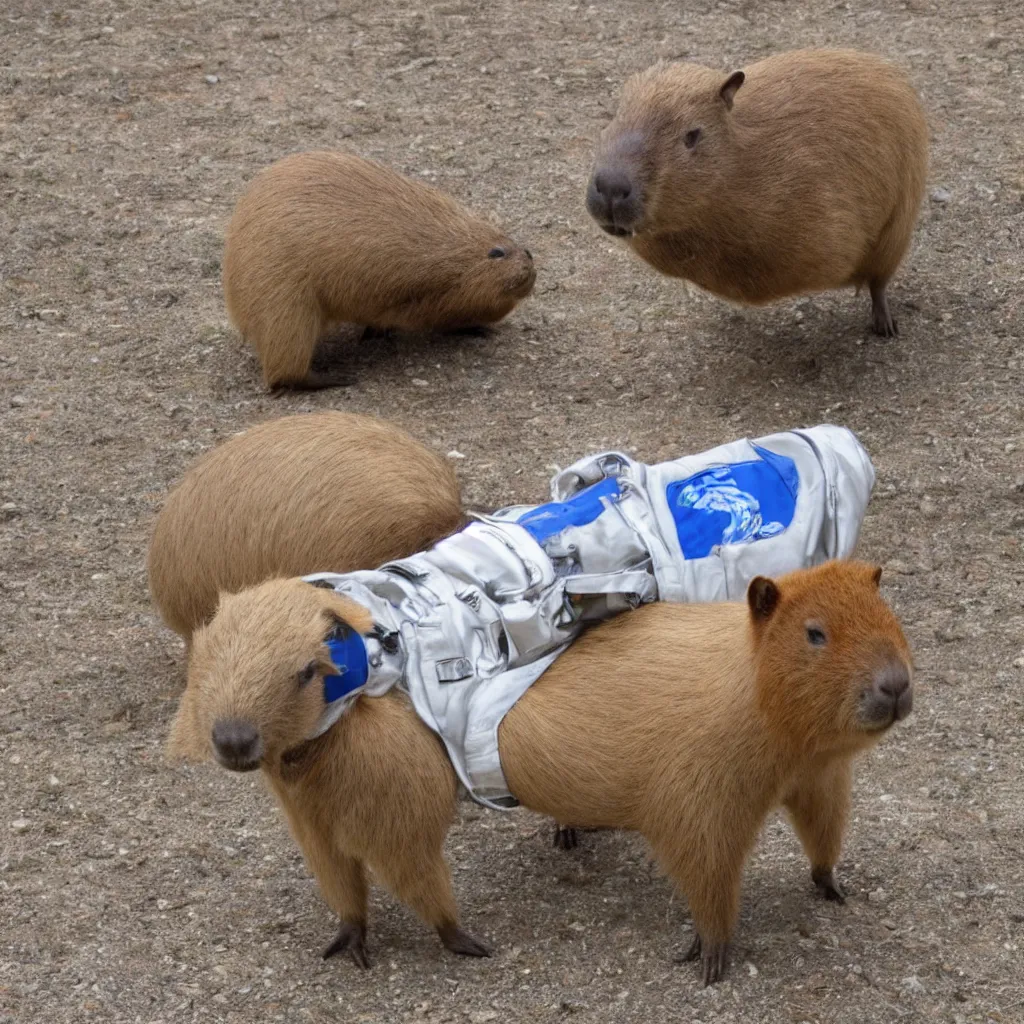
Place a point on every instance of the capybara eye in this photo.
(692, 137)
(307, 674)
(816, 636)
(496, 253)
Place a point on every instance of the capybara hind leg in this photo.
(286, 345)
(819, 806)
(426, 887)
(882, 320)
(566, 837)
(710, 880)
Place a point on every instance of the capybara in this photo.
(290, 496)
(801, 173)
(322, 238)
(737, 708)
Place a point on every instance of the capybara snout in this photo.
(615, 192)
(237, 744)
(890, 697)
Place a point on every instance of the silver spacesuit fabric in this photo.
(466, 627)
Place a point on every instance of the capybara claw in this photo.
(351, 937)
(830, 889)
(458, 941)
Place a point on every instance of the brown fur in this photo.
(811, 180)
(687, 723)
(328, 491)
(322, 238)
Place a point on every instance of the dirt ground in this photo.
(132, 890)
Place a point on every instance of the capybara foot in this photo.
(352, 937)
(713, 956)
(458, 941)
(882, 321)
(566, 838)
(477, 331)
(316, 380)
(827, 885)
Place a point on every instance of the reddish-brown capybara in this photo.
(290, 496)
(323, 238)
(737, 708)
(801, 173)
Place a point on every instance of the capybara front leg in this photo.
(819, 806)
(426, 886)
(882, 320)
(342, 880)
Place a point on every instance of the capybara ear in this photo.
(876, 575)
(729, 88)
(345, 610)
(763, 596)
(185, 741)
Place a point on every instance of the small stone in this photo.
(455, 454)
(483, 1016)
(20, 824)
(941, 195)
(211, 79)
(913, 985)
(358, 104)
(891, 925)
(877, 896)
(1018, 662)
(751, 969)
(8, 510)
(17, 401)
(107, 30)
(53, 782)
(419, 382)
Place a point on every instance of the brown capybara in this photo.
(801, 173)
(742, 707)
(323, 238)
(290, 496)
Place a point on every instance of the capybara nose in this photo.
(238, 744)
(891, 684)
(613, 184)
(612, 201)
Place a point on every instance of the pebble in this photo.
(455, 454)
(8, 510)
(483, 1016)
(211, 79)
(20, 824)
(17, 401)
(913, 985)
(941, 195)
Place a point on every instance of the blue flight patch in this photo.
(734, 504)
(546, 521)
(348, 652)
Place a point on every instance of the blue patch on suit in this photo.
(348, 652)
(734, 504)
(546, 521)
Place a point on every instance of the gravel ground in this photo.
(131, 890)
